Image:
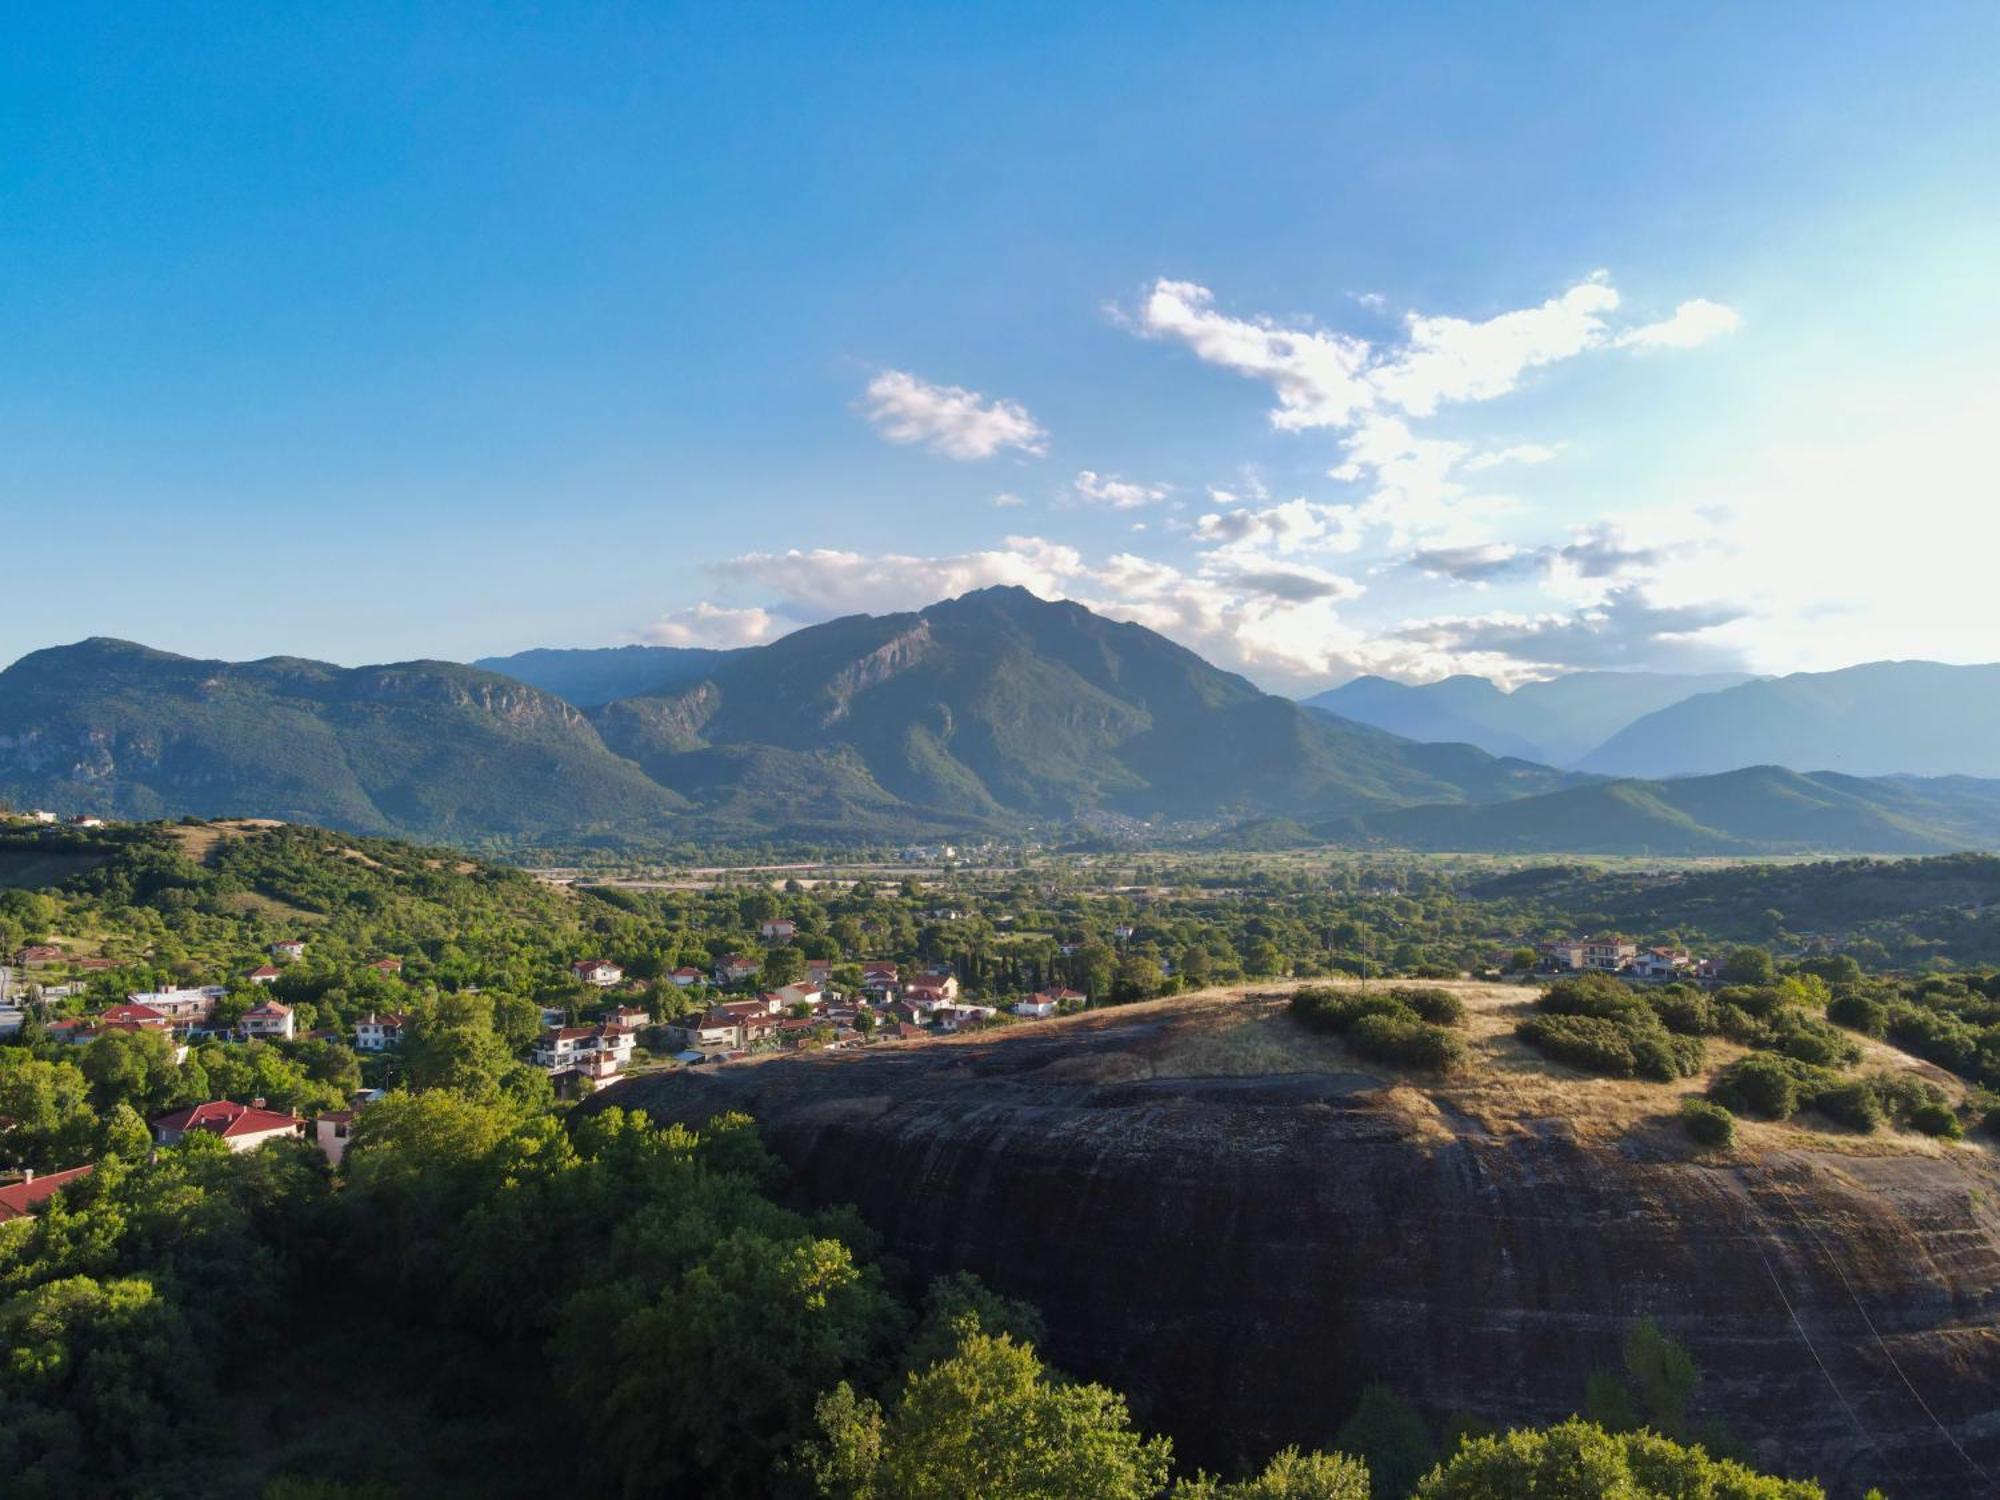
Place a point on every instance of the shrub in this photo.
(1439, 1007)
(1855, 1103)
(1710, 1125)
(1684, 1011)
(1859, 1013)
(1327, 1009)
(1740, 1025)
(1812, 1040)
(1663, 1057)
(1936, 1119)
(1408, 1043)
(1591, 1043)
(1768, 1085)
(1589, 995)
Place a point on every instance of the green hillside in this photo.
(1000, 706)
(426, 748)
(1760, 810)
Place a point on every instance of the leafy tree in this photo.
(719, 1373)
(988, 1423)
(1578, 1460)
(1749, 966)
(1386, 1432)
(781, 966)
(1290, 1475)
(132, 1067)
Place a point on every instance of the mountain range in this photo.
(1560, 721)
(1918, 718)
(994, 713)
(1890, 718)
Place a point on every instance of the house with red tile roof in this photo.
(601, 972)
(129, 1015)
(264, 974)
(243, 1127)
(387, 966)
(270, 1018)
(20, 1199)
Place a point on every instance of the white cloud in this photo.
(1317, 376)
(708, 624)
(1007, 500)
(1108, 490)
(821, 583)
(949, 419)
(1694, 323)
(1368, 394)
(1520, 453)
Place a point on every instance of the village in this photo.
(580, 1046)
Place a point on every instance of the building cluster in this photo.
(1627, 960)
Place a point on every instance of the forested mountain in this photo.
(1884, 718)
(1558, 721)
(592, 677)
(992, 713)
(986, 712)
(1758, 810)
(1000, 706)
(449, 751)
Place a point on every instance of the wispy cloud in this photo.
(949, 419)
(1113, 493)
(1370, 394)
(1628, 629)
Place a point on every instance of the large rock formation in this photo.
(1222, 1217)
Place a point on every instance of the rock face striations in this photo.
(1239, 1232)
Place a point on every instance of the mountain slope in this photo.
(1758, 810)
(1884, 718)
(1557, 721)
(427, 748)
(1000, 705)
(591, 677)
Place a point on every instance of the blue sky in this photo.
(368, 332)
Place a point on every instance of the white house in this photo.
(264, 974)
(931, 989)
(601, 972)
(778, 930)
(290, 948)
(181, 1007)
(1038, 1006)
(686, 977)
(706, 1032)
(378, 1033)
(270, 1019)
(330, 1133)
(591, 1051)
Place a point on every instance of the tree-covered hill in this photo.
(986, 713)
(1001, 706)
(1760, 810)
(426, 748)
